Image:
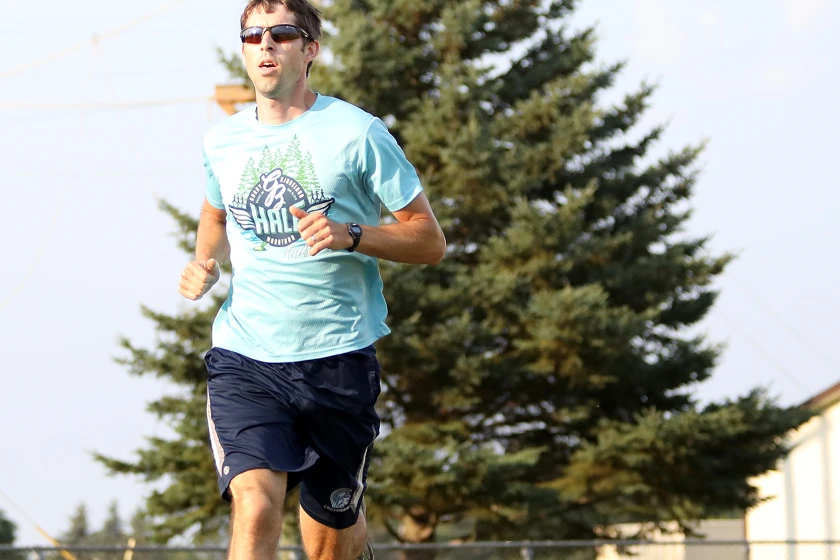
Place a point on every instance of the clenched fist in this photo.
(198, 277)
(321, 232)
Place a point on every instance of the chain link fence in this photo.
(691, 549)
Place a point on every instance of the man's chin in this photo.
(269, 90)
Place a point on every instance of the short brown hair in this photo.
(307, 16)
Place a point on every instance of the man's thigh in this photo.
(341, 425)
(250, 427)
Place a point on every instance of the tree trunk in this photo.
(418, 526)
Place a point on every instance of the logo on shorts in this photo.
(340, 500)
(227, 471)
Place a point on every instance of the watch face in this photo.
(355, 230)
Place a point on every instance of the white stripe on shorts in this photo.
(357, 495)
(218, 452)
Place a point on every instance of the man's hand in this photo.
(198, 277)
(320, 232)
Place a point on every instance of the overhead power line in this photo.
(805, 341)
(767, 355)
(25, 277)
(105, 105)
(52, 57)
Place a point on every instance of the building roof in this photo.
(824, 400)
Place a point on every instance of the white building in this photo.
(804, 495)
(673, 545)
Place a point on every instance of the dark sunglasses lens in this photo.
(282, 33)
(252, 35)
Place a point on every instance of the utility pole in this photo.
(229, 96)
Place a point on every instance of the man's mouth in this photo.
(267, 64)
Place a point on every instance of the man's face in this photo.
(275, 68)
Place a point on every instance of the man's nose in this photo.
(267, 42)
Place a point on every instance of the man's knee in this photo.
(360, 535)
(325, 543)
(258, 495)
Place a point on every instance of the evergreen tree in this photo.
(79, 530)
(539, 382)
(8, 532)
(79, 534)
(112, 529)
(7, 529)
(141, 527)
(111, 534)
(142, 532)
(233, 64)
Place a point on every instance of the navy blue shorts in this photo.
(314, 420)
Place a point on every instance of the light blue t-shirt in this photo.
(285, 305)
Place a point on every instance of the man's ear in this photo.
(312, 50)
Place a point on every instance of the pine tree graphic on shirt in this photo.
(249, 177)
(294, 158)
(307, 176)
(266, 191)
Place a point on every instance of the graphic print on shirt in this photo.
(268, 189)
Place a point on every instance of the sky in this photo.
(103, 107)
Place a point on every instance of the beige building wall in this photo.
(803, 493)
(674, 546)
(718, 530)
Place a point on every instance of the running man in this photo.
(293, 198)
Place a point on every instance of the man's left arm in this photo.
(416, 238)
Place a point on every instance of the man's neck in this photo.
(281, 111)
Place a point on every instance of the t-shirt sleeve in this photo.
(212, 189)
(387, 173)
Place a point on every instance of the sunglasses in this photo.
(279, 33)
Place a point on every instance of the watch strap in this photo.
(355, 232)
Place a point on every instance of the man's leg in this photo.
(258, 497)
(325, 543)
(342, 428)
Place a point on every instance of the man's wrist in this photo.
(355, 232)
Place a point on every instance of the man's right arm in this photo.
(211, 248)
(211, 241)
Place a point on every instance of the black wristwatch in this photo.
(355, 231)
